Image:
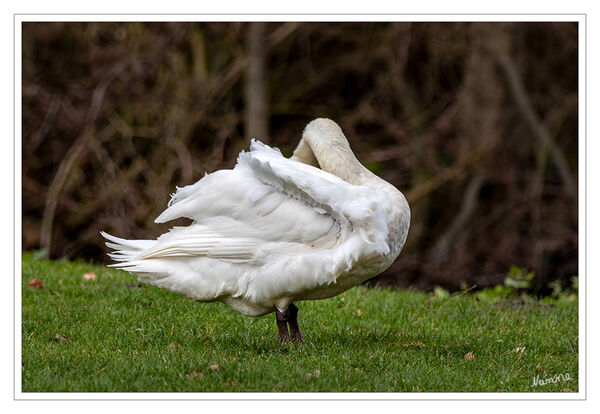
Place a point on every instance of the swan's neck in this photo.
(334, 159)
(324, 145)
(304, 154)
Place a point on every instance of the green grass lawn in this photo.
(111, 334)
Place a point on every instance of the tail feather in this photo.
(125, 250)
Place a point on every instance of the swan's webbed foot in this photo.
(285, 318)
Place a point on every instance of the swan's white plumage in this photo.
(269, 232)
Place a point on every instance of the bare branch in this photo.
(72, 156)
(536, 126)
(467, 208)
(425, 188)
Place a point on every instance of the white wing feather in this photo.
(266, 230)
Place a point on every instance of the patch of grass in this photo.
(112, 334)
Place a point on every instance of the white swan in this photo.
(273, 231)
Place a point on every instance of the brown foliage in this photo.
(469, 120)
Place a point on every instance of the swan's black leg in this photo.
(295, 332)
(282, 324)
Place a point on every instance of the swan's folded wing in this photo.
(268, 205)
(240, 218)
(269, 228)
(356, 208)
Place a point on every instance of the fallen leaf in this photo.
(35, 284)
(214, 367)
(314, 374)
(89, 276)
(518, 350)
(358, 312)
(194, 374)
(538, 368)
(231, 384)
(61, 338)
(469, 355)
(173, 345)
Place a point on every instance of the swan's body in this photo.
(274, 230)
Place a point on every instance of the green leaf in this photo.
(440, 292)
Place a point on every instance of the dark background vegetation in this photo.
(477, 123)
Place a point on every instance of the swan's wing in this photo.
(266, 205)
(265, 231)
(359, 210)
